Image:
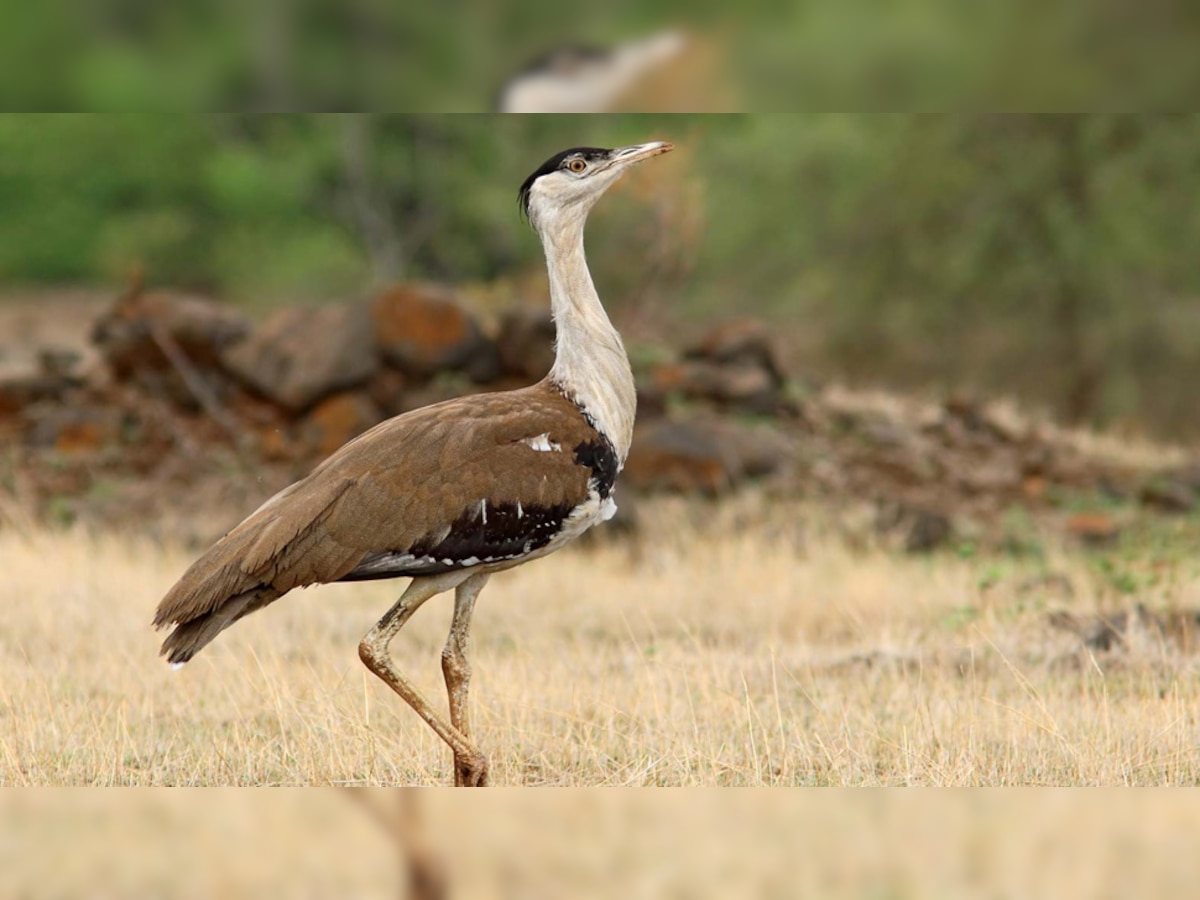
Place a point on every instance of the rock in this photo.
(526, 344)
(742, 387)
(651, 403)
(677, 456)
(920, 529)
(253, 411)
(128, 335)
(1168, 494)
(968, 412)
(1188, 474)
(422, 330)
(22, 391)
(76, 432)
(484, 366)
(387, 390)
(758, 451)
(336, 420)
(276, 444)
(995, 475)
(1033, 487)
(906, 464)
(703, 456)
(169, 345)
(59, 362)
(746, 343)
(928, 531)
(301, 355)
(447, 387)
(1096, 529)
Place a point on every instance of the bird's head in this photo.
(567, 184)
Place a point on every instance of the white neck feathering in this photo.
(590, 364)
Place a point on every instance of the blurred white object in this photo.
(581, 79)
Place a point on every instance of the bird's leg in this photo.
(456, 667)
(373, 651)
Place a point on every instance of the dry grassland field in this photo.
(733, 644)
(640, 845)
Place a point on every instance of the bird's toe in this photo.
(471, 771)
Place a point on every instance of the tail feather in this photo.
(191, 636)
(280, 546)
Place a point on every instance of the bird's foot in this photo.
(470, 771)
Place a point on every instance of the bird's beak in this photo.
(627, 156)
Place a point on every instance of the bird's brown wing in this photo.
(409, 494)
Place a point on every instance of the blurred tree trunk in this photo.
(366, 199)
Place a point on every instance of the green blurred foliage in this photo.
(1029, 55)
(1051, 256)
(1048, 256)
(297, 55)
(271, 206)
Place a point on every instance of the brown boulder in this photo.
(758, 451)
(928, 531)
(337, 420)
(21, 391)
(1168, 493)
(919, 529)
(1094, 528)
(744, 342)
(75, 432)
(169, 345)
(704, 456)
(738, 386)
(1188, 475)
(674, 456)
(301, 355)
(526, 344)
(421, 330)
(130, 336)
(387, 389)
(275, 443)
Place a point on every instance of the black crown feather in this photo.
(553, 164)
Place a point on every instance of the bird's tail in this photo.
(190, 636)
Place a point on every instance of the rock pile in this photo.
(186, 378)
(186, 383)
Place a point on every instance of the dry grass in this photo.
(744, 650)
(106, 845)
(546, 845)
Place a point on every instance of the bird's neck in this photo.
(590, 364)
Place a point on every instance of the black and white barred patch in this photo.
(483, 533)
(487, 532)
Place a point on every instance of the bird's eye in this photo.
(577, 165)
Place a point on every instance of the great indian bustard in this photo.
(450, 493)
